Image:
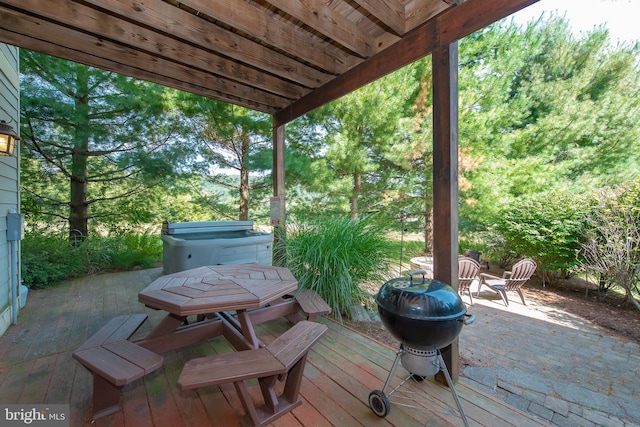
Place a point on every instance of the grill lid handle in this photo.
(469, 318)
(412, 273)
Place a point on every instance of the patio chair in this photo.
(468, 269)
(512, 280)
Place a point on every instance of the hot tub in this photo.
(188, 245)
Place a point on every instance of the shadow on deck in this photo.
(341, 371)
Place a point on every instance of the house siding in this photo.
(9, 173)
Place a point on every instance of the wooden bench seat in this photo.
(114, 361)
(312, 304)
(287, 354)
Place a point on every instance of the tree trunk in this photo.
(244, 179)
(428, 226)
(353, 200)
(78, 207)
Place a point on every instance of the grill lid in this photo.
(420, 298)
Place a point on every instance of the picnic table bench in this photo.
(312, 304)
(114, 361)
(286, 355)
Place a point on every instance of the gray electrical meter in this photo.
(15, 230)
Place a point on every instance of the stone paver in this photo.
(552, 364)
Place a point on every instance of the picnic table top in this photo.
(218, 288)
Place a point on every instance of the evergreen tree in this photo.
(234, 152)
(90, 138)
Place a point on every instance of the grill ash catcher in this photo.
(425, 315)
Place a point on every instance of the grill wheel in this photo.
(379, 403)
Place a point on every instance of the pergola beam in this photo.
(451, 25)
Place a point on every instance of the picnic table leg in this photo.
(106, 397)
(247, 328)
(247, 402)
(269, 394)
(294, 380)
(170, 323)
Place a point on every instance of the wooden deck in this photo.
(342, 369)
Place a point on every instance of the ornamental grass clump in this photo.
(334, 256)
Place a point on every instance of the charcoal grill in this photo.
(425, 315)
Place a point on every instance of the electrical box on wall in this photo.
(276, 219)
(15, 229)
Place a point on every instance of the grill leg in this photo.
(453, 389)
(393, 368)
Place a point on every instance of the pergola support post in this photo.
(445, 179)
(278, 208)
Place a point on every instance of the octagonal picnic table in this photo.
(213, 293)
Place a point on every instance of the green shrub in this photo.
(48, 259)
(492, 245)
(128, 251)
(334, 256)
(548, 228)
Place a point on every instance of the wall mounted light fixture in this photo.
(8, 139)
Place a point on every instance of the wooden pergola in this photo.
(282, 57)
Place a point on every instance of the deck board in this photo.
(13, 381)
(342, 369)
(60, 387)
